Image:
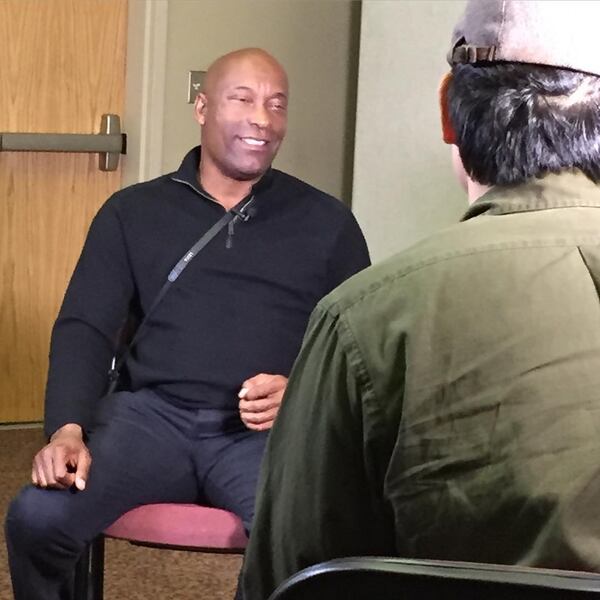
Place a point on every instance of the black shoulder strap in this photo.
(239, 211)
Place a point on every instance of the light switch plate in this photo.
(194, 84)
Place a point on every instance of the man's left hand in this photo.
(260, 399)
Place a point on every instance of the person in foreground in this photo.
(446, 402)
(207, 376)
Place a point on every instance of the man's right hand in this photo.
(64, 461)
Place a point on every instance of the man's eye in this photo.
(278, 107)
(241, 99)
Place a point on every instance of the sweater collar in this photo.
(187, 174)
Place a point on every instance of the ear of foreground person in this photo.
(445, 402)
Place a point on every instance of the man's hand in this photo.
(260, 399)
(64, 461)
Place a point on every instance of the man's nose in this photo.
(259, 116)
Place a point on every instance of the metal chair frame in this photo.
(378, 578)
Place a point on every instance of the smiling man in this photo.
(205, 380)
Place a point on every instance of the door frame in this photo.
(145, 77)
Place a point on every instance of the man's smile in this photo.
(254, 142)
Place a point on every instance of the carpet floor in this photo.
(131, 572)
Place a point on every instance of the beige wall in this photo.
(403, 185)
(144, 89)
(317, 43)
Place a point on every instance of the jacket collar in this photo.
(563, 190)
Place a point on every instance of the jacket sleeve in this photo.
(85, 333)
(349, 254)
(316, 498)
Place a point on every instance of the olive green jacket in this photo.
(446, 402)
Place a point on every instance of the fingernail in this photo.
(243, 392)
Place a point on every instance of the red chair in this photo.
(175, 526)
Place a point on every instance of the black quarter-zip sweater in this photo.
(240, 307)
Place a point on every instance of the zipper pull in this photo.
(229, 240)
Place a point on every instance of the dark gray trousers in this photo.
(144, 450)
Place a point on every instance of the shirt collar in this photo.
(564, 190)
(188, 170)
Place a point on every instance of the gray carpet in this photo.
(131, 572)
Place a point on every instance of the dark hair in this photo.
(516, 121)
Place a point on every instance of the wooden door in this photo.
(63, 66)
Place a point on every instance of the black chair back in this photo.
(366, 578)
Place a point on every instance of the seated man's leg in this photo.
(228, 468)
(139, 456)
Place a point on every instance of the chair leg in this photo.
(89, 572)
(80, 585)
(96, 570)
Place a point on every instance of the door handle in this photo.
(109, 143)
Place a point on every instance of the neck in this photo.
(225, 190)
(475, 190)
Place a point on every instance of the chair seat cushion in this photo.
(189, 526)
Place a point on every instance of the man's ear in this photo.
(200, 108)
(448, 133)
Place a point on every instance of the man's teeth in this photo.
(254, 141)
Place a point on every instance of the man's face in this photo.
(244, 117)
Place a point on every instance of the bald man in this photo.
(204, 383)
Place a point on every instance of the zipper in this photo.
(230, 232)
(238, 214)
(200, 192)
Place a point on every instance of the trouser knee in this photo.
(33, 523)
(17, 523)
